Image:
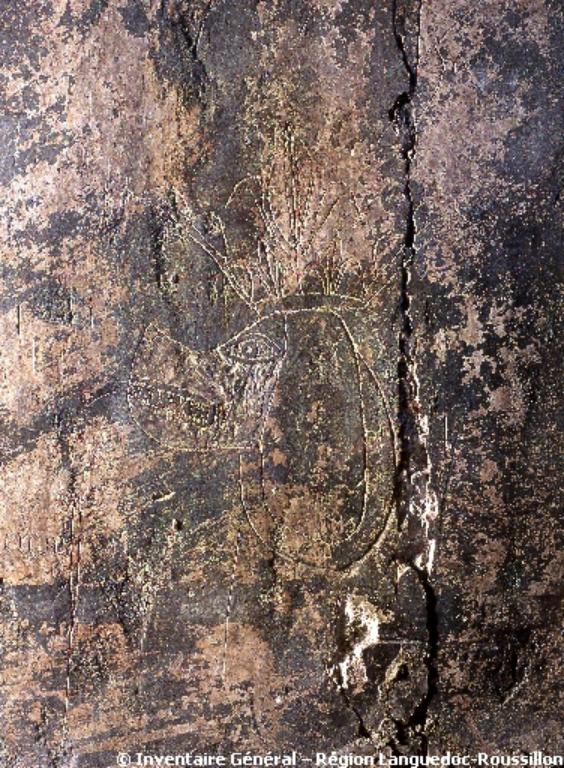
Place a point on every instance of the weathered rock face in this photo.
(486, 192)
(279, 377)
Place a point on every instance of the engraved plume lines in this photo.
(311, 234)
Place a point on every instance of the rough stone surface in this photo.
(279, 370)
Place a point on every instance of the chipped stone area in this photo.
(279, 378)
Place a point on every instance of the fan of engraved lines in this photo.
(315, 236)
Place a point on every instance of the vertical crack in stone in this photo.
(417, 723)
(417, 504)
(401, 115)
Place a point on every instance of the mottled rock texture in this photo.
(279, 377)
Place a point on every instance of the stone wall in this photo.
(279, 362)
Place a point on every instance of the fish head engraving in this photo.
(294, 396)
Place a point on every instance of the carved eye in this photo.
(252, 348)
